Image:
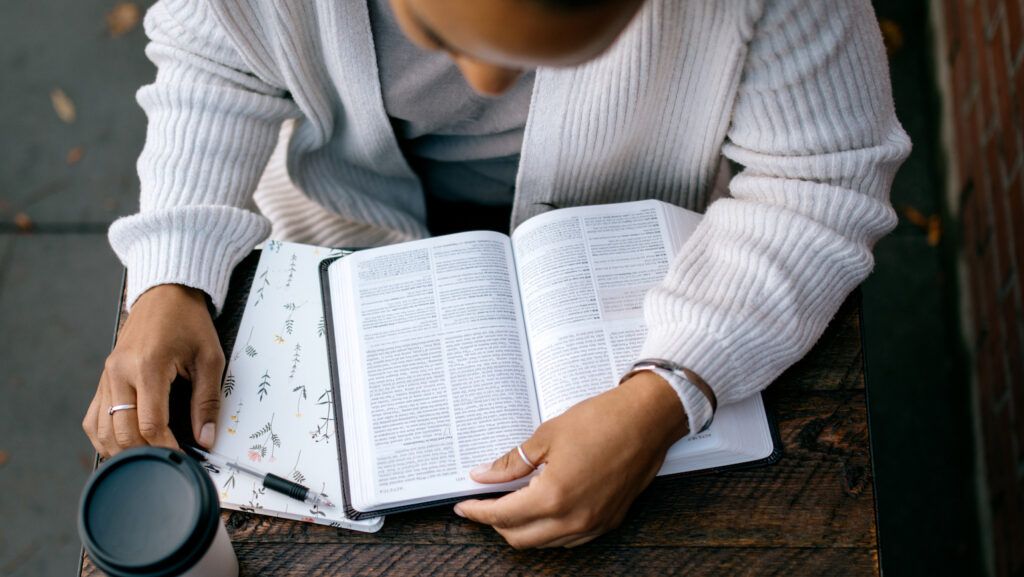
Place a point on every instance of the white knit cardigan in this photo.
(795, 91)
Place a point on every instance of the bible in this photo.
(447, 352)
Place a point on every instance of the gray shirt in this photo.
(463, 146)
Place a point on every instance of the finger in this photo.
(512, 510)
(561, 541)
(541, 533)
(154, 409)
(90, 421)
(512, 465)
(580, 540)
(104, 424)
(125, 422)
(206, 378)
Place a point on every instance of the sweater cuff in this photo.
(194, 246)
(699, 352)
(695, 404)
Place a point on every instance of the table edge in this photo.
(858, 293)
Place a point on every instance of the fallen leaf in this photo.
(74, 155)
(914, 216)
(934, 230)
(892, 36)
(122, 18)
(86, 460)
(3, 458)
(23, 222)
(931, 224)
(62, 105)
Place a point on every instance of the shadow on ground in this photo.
(918, 391)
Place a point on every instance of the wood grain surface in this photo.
(812, 513)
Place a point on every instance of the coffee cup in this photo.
(154, 512)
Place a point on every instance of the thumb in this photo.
(206, 377)
(511, 465)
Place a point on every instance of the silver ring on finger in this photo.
(522, 455)
(115, 408)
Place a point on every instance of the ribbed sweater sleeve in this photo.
(212, 127)
(815, 130)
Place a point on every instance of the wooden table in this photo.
(812, 513)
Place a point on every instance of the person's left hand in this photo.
(598, 456)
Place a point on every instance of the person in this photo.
(561, 103)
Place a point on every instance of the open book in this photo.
(447, 352)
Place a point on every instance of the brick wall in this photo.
(984, 53)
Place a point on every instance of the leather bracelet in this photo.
(681, 371)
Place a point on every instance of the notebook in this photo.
(277, 408)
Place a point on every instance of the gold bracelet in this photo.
(680, 371)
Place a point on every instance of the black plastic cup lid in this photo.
(148, 512)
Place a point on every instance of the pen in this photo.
(270, 480)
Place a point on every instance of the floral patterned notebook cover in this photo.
(277, 410)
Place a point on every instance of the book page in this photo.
(583, 273)
(277, 411)
(436, 363)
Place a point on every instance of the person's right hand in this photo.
(168, 333)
